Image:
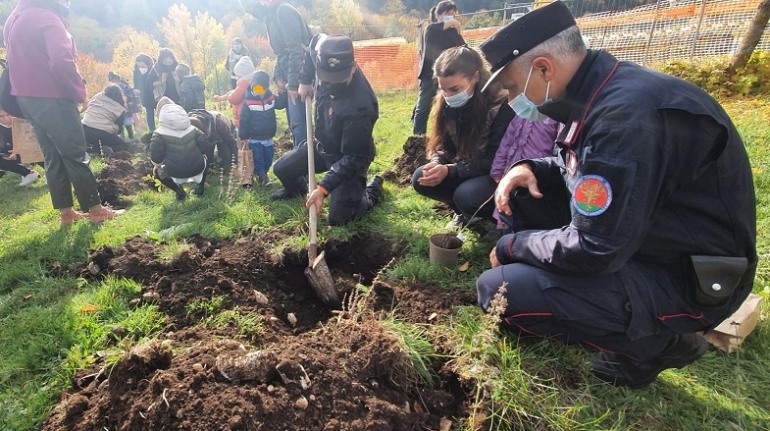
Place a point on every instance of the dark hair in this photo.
(445, 6)
(115, 93)
(433, 14)
(466, 62)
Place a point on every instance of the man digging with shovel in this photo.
(343, 147)
(346, 110)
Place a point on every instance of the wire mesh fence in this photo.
(660, 31)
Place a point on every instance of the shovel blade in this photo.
(321, 281)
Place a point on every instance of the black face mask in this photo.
(335, 88)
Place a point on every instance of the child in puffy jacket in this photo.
(179, 151)
(258, 123)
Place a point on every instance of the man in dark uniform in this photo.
(289, 36)
(641, 231)
(346, 110)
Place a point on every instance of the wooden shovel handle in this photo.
(312, 250)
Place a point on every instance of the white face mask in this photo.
(460, 99)
(525, 108)
(448, 17)
(143, 70)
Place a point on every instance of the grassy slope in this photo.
(47, 330)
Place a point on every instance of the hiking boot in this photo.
(282, 194)
(103, 213)
(264, 180)
(374, 190)
(459, 220)
(181, 194)
(621, 371)
(30, 178)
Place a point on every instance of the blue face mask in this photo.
(460, 99)
(448, 17)
(525, 108)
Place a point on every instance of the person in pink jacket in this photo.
(244, 70)
(44, 77)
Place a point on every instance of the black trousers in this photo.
(464, 196)
(425, 97)
(636, 311)
(347, 201)
(95, 136)
(13, 166)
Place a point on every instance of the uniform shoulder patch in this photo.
(592, 196)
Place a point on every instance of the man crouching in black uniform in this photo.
(346, 110)
(640, 232)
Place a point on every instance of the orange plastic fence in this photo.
(689, 28)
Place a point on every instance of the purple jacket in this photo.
(41, 55)
(523, 139)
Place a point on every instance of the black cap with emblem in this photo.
(525, 33)
(335, 58)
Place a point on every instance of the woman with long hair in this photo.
(103, 121)
(467, 130)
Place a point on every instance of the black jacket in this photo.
(657, 173)
(140, 81)
(344, 125)
(435, 41)
(289, 36)
(156, 74)
(192, 93)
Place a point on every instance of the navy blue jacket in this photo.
(657, 172)
(258, 115)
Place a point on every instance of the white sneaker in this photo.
(29, 179)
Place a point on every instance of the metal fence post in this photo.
(697, 30)
(652, 33)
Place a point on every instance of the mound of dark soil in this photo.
(308, 368)
(412, 158)
(122, 178)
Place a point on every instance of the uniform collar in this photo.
(588, 77)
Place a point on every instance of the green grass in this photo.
(52, 325)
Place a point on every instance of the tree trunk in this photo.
(751, 38)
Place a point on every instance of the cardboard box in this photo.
(729, 335)
(25, 143)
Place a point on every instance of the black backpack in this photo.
(205, 118)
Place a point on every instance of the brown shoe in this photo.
(69, 217)
(103, 213)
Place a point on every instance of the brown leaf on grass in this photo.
(26, 297)
(464, 267)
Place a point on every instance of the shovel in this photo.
(317, 272)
